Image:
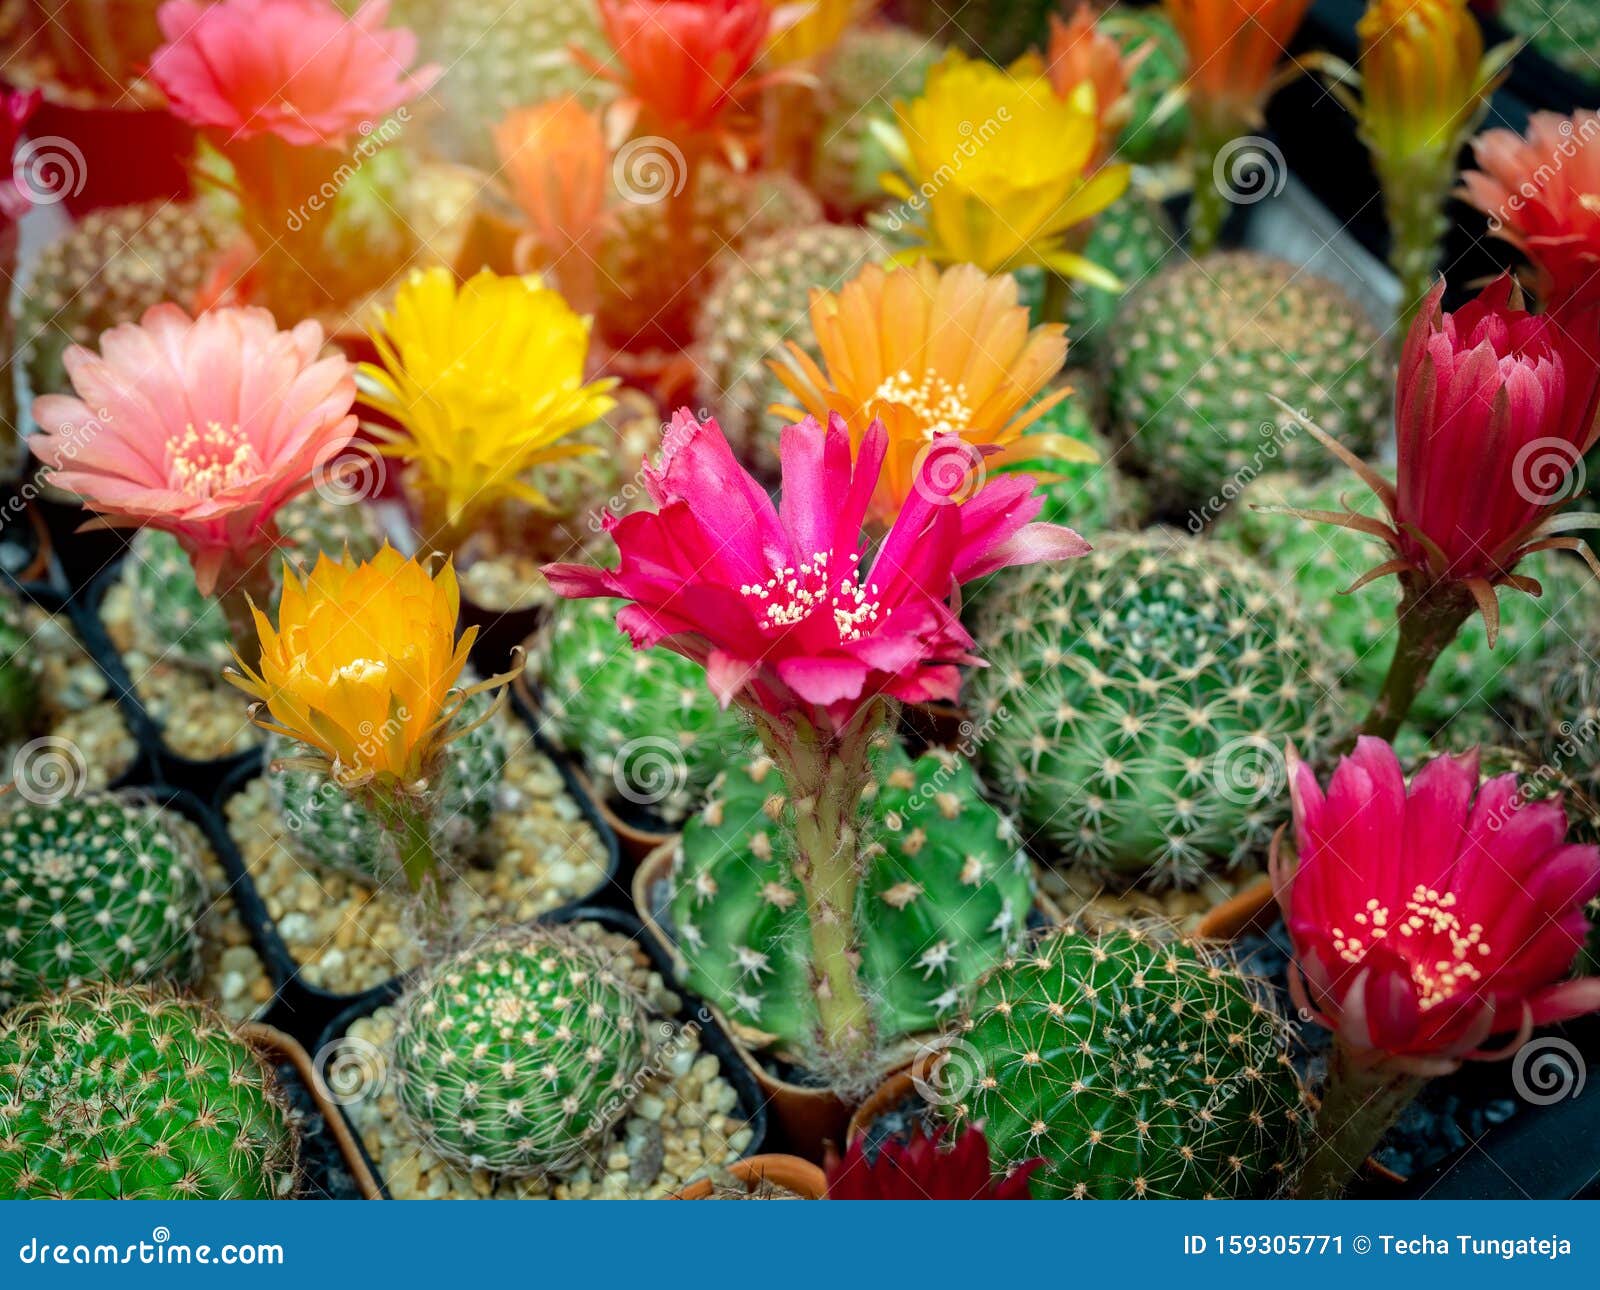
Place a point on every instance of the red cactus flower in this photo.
(924, 1169)
(302, 70)
(1542, 194)
(779, 603)
(15, 109)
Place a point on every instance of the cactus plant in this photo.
(94, 889)
(517, 1055)
(761, 299)
(1318, 562)
(946, 894)
(1556, 712)
(126, 1093)
(1132, 239)
(651, 729)
(1196, 355)
(1136, 1068)
(19, 672)
(1155, 131)
(1567, 34)
(1138, 700)
(324, 825)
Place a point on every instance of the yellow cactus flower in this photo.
(362, 668)
(997, 171)
(485, 381)
(805, 30)
(930, 353)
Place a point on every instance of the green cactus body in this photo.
(1566, 32)
(94, 889)
(19, 673)
(946, 895)
(1196, 356)
(760, 300)
(1138, 700)
(1556, 713)
(516, 1056)
(871, 68)
(325, 825)
(1319, 561)
(1132, 239)
(1153, 133)
(651, 730)
(1135, 1068)
(125, 1093)
(1001, 30)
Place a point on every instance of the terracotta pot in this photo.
(805, 1118)
(791, 1173)
(278, 1046)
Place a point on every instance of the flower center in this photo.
(940, 406)
(793, 594)
(205, 462)
(1436, 945)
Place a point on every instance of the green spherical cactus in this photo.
(760, 300)
(652, 732)
(946, 895)
(19, 672)
(1319, 561)
(117, 1093)
(1197, 354)
(516, 1056)
(1135, 1068)
(324, 825)
(1567, 34)
(1001, 30)
(870, 70)
(1157, 126)
(1556, 709)
(1138, 700)
(94, 889)
(1133, 239)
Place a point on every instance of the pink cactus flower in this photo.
(779, 603)
(299, 69)
(1429, 922)
(202, 427)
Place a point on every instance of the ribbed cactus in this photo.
(126, 1093)
(94, 889)
(946, 894)
(1133, 239)
(760, 300)
(1318, 562)
(516, 1056)
(1156, 131)
(1196, 355)
(325, 825)
(19, 672)
(651, 730)
(1136, 1068)
(1137, 702)
(870, 69)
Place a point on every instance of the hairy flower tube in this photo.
(930, 354)
(485, 381)
(796, 619)
(1432, 924)
(997, 171)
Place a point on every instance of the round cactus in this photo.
(760, 300)
(1319, 562)
(870, 70)
(1567, 34)
(125, 1093)
(1556, 713)
(1154, 131)
(94, 889)
(1196, 355)
(946, 894)
(1132, 239)
(1137, 702)
(19, 672)
(1135, 1068)
(517, 1055)
(324, 825)
(651, 729)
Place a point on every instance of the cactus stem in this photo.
(1362, 1099)
(1415, 190)
(254, 586)
(406, 818)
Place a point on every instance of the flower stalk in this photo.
(1431, 613)
(239, 599)
(1362, 1099)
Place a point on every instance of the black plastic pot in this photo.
(713, 1039)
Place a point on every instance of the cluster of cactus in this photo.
(126, 1093)
(1158, 124)
(759, 301)
(518, 1055)
(19, 672)
(1136, 1068)
(94, 889)
(870, 70)
(1471, 680)
(945, 894)
(324, 825)
(1137, 702)
(1132, 239)
(652, 731)
(1198, 353)
(1567, 34)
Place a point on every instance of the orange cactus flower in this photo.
(557, 163)
(1080, 52)
(1234, 47)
